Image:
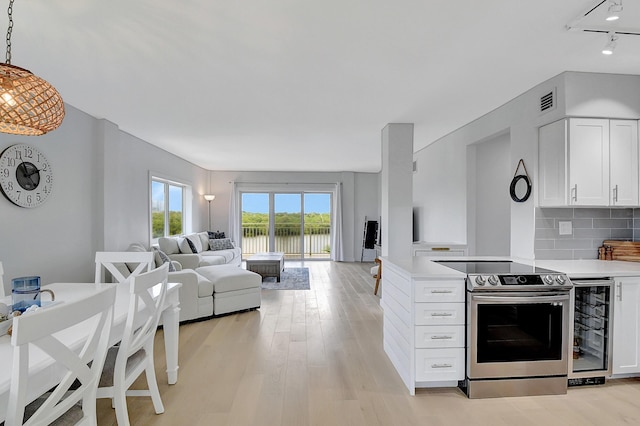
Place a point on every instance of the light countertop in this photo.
(592, 268)
(422, 266)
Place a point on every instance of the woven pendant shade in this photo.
(28, 104)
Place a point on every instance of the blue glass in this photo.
(25, 292)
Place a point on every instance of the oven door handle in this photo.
(521, 299)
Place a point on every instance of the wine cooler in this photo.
(590, 362)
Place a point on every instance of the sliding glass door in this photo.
(287, 227)
(296, 223)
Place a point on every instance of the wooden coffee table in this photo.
(266, 264)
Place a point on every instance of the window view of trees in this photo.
(167, 209)
(255, 224)
(158, 221)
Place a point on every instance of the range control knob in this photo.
(548, 279)
(493, 280)
(561, 279)
(480, 280)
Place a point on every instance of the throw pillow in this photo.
(221, 244)
(161, 258)
(195, 239)
(204, 240)
(187, 246)
(216, 235)
(137, 247)
(190, 244)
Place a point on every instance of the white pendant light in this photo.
(611, 44)
(613, 13)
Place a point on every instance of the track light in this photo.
(613, 13)
(611, 44)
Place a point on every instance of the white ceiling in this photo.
(300, 84)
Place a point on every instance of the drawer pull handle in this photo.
(441, 337)
(441, 291)
(441, 365)
(441, 314)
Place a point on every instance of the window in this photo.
(167, 208)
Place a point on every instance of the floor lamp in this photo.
(209, 198)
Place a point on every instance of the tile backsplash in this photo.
(590, 227)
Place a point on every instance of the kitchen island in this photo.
(424, 321)
(424, 316)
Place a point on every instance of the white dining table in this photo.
(44, 374)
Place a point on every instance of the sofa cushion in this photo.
(221, 244)
(169, 245)
(212, 260)
(205, 287)
(226, 255)
(230, 278)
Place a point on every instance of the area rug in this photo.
(290, 279)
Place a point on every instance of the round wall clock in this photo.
(26, 178)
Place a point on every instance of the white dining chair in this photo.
(122, 265)
(34, 332)
(134, 355)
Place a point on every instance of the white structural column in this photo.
(397, 190)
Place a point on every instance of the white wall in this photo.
(366, 204)
(488, 200)
(44, 240)
(396, 187)
(439, 192)
(99, 199)
(129, 161)
(603, 95)
(359, 192)
(440, 185)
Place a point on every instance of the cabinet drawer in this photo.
(439, 313)
(439, 336)
(439, 364)
(439, 291)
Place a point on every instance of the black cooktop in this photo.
(493, 267)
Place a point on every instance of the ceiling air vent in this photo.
(548, 101)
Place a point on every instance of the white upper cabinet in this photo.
(552, 165)
(588, 162)
(623, 170)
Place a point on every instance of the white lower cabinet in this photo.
(442, 336)
(424, 327)
(626, 326)
(439, 365)
(439, 313)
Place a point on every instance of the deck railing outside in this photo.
(317, 240)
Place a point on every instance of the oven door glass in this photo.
(515, 336)
(520, 332)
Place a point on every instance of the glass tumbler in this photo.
(25, 292)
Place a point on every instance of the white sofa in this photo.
(205, 255)
(212, 290)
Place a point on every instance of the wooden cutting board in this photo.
(624, 250)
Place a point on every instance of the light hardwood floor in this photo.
(315, 357)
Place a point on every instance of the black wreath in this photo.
(512, 189)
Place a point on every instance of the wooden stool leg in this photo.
(378, 276)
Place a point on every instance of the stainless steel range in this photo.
(517, 329)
